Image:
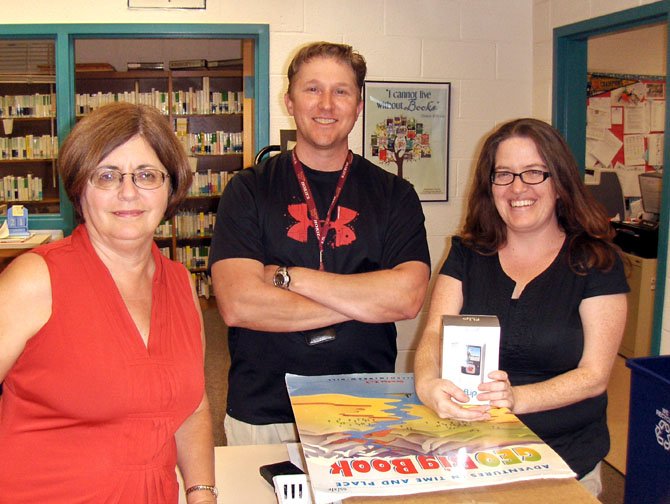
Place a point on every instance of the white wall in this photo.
(485, 48)
(640, 51)
(547, 15)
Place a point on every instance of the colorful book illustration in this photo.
(369, 435)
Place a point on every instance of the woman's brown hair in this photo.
(581, 217)
(109, 127)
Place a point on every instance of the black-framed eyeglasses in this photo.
(530, 177)
(144, 178)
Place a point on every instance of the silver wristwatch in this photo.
(281, 278)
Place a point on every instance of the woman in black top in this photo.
(535, 251)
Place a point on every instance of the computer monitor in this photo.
(651, 184)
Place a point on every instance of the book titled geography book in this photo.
(370, 435)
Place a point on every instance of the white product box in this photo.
(470, 351)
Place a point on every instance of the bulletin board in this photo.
(625, 127)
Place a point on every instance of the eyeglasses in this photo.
(144, 178)
(530, 177)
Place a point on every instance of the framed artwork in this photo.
(167, 4)
(406, 132)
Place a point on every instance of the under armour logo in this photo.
(344, 235)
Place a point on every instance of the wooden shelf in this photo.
(206, 72)
(44, 201)
(160, 74)
(194, 238)
(203, 197)
(26, 161)
(132, 74)
(230, 114)
(29, 118)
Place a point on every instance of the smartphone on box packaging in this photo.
(470, 351)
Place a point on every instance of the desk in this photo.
(13, 249)
(238, 480)
(9, 250)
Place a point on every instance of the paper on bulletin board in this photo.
(595, 132)
(605, 149)
(633, 150)
(657, 115)
(636, 119)
(628, 179)
(598, 117)
(655, 149)
(629, 96)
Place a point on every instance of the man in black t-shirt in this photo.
(316, 252)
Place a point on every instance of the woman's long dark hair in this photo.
(581, 217)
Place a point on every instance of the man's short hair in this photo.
(341, 52)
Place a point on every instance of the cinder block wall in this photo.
(496, 54)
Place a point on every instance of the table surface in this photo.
(12, 249)
(238, 480)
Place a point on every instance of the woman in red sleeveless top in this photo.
(101, 336)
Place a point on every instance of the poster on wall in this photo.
(406, 132)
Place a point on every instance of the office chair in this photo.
(286, 142)
(609, 194)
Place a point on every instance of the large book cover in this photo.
(369, 435)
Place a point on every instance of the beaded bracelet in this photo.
(209, 488)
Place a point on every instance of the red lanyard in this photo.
(320, 229)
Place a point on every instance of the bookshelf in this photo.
(56, 51)
(29, 143)
(207, 110)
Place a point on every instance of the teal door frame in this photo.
(65, 35)
(569, 112)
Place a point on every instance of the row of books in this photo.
(184, 102)
(34, 105)
(29, 147)
(164, 230)
(202, 281)
(203, 284)
(205, 101)
(190, 224)
(87, 103)
(212, 143)
(209, 183)
(185, 64)
(193, 257)
(19, 188)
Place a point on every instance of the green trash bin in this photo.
(648, 459)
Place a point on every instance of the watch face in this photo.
(281, 278)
